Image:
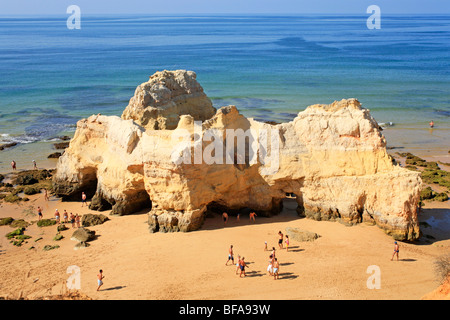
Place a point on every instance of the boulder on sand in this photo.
(83, 235)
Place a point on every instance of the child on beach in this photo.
(39, 210)
(287, 243)
(100, 277)
(265, 245)
(238, 263)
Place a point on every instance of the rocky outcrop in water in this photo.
(183, 159)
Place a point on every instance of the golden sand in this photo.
(171, 266)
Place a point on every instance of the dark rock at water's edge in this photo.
(61, 145)
(8, 145)
(54, 155)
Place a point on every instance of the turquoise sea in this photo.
(270, 67)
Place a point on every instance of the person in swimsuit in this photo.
(242, 266)
(225, 218)
(270, 266)
(45, 195)
(276, 268)
(72, 220)
(287, 243)
(34, 165)
(83, 199)
(77, 220)
(280, 240)
(39, 210)
(396, 250)
(230, 255)
(100, 277)
(65, 216)
(57, 215)
(13, 165)
(238, 263)
(252, 216)
(431, 124)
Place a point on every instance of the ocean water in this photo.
(270, 67)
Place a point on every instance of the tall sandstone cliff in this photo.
(331, 157)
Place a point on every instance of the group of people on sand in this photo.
(240, 264)
(252, 216)
(274, 266)
(75, 219)
(14, 165)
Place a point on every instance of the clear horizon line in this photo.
(221, 14)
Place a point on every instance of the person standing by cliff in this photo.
(83, 199)
(396, 250)
(225, 218)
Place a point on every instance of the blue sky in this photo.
(42, 7)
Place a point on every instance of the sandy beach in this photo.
(139, 265)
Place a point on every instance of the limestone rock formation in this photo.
(181, 160)
(159, 102)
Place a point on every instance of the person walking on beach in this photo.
(287, 243)
(57, 215)
(396, 251)
(225, 218)
(242, 266)
(280, 240)
(34, 165)
(39, 210)
(83, 199)
(45, 195)
(252, 216)
(100, 278)
(276, 269)
(230, 255)
(13, 165)
(238, 263)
